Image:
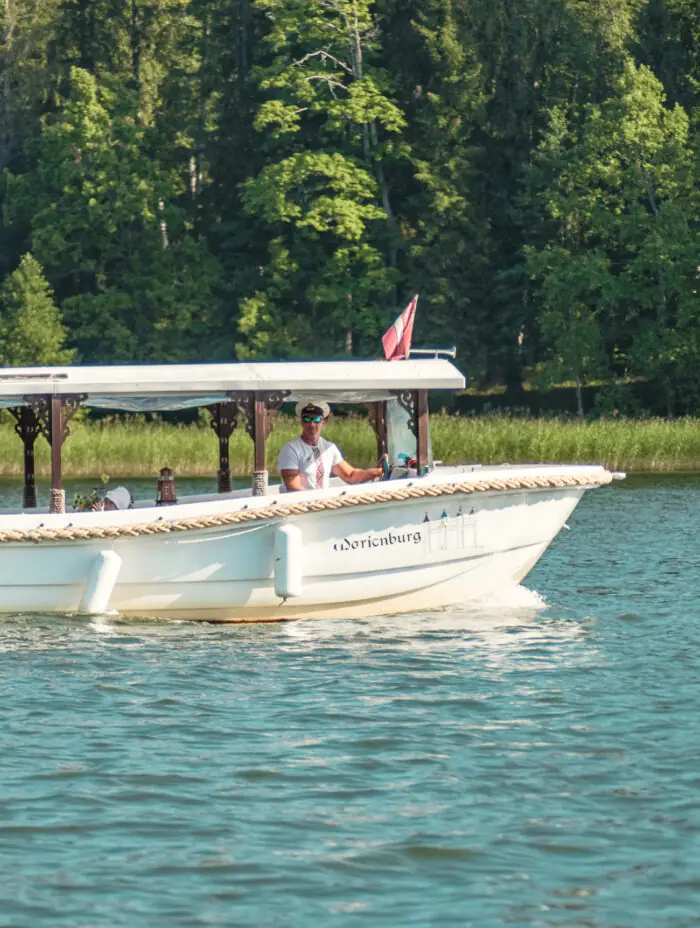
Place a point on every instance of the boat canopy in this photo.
(159, 387)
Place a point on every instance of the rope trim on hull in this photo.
(275, 511)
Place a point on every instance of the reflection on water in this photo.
(531, 761)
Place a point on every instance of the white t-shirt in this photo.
(297, 455)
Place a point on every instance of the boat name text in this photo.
(376, 541)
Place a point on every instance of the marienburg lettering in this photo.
(378, 541)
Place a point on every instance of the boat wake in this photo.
(517, 598)
(515, 606)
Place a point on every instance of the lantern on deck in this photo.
(165, 492)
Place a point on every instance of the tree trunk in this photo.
(135, 40)
(667, 386)
(579, 398)
(6, 120)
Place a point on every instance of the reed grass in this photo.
(648, 445)
(133, 447)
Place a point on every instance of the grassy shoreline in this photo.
(132, 448)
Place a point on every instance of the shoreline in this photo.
(135, 448)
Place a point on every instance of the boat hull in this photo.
(356, 561)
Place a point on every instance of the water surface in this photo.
(530, 762)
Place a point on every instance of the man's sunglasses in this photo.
(312, 418)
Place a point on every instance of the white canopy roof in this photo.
(178, 386)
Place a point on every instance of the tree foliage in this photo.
(31, 330)
(622, 195)
(323, 197)
(273, 178)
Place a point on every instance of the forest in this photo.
(205, 180)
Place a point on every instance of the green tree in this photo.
(622, 187)
(330, 131)
(573, 293)
(530, 57)
(668, 42)
(134, 281)
(31, 329)
(27, 29)
(428, 48)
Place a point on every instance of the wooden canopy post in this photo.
(257, 408)
(52, 415)
(415, 402)
(57, 502)
(223, 423)
(260, 429)
(421, 407)
(377, 418)
(27, 427)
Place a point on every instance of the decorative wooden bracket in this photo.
(415, 402)
(251, 404)
(27, 427)
(223, 423)
(71, 404)
(257, 408)
(408, 400)
(223, 419)
(42, 406)
(53, 414)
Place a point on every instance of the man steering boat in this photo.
(309, 461)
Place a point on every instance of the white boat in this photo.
(435, 537)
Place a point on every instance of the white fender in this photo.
(289, 561)
(100, 583)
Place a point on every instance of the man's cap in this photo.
(313, 408)
(120, 496)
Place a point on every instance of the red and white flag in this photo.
(397, 339)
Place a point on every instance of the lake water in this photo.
(533, 762)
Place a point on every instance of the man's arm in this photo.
(351, 474)
(288, 463)
(291, 479)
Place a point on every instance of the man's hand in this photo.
(351, 474)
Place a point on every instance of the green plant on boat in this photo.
(84, 502)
